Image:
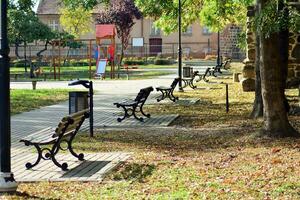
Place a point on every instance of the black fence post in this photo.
(227, 99)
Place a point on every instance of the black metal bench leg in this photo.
(171, 96)
(191, 84)
(142, 111)
(207, 72)
(54, 151)
(79, 156)
(185, 82)
(136, 117)
(200, 78)
(125, 113)
(163, 96)
(40, 156)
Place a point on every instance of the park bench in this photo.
(130, 107)
(167, 92)
(15, 76)
(48, 142)
(217, 68)
(189, 81)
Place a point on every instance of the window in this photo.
(53, 24)
(206, 31)
(188, 31)
(154, 30)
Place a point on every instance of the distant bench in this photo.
(131, 107)
(189, 81)
(48, 141)
(167, 92)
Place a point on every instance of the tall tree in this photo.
(25, 27)
(76, 21)
(274, 60)
(271, 43)
(122, 13)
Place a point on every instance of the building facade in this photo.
(197, 41)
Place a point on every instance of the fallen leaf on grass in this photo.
(276, 150)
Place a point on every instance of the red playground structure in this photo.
(106, 32)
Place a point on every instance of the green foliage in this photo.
(162, 61)
(214, 14)
(76, 21)
(24, 26)
(242, 41)
(133, 61)
(271, 20)
(165, 13)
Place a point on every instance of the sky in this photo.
(36, 5)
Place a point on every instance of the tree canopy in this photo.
(214, 14)
(121, 13)
(76, 21)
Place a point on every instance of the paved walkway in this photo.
(96, 165)
(105, 114)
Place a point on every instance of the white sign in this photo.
(137, 42)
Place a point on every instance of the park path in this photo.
(105, 114)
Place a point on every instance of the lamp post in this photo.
(7, 181)
(179, 48)
(219, 50)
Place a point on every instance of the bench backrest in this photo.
(71, 123)
(143, 94)
(174, 83)
(226, 63)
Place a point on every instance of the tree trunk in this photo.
(273, 79)
(122, 54)
(39, 54)
(258, 102)
(17, 45)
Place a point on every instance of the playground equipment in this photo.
(106, 32)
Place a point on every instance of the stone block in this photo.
(235, 77)
(248, 84)
(296, 67)
(297, 74)
(291, 72)
(296, 52)
(248, 71)
(251, 54)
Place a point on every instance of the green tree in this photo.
(121, 13)
(76, 21)
(24, 27)
(272, 27)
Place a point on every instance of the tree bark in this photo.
(273, 79)
(257, 111)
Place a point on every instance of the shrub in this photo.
(161, 61)
(20, 64)
(133, 61)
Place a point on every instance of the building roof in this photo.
(48, 7)
(51, 7)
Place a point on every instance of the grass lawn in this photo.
(26, 100)
(206, 154)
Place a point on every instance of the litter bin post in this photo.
(187, 71)
(78, 101)
(88, 85)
